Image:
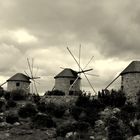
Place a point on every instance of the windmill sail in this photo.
(82, 71)
(32, 76)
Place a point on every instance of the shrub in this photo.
(64, 129)
(76, 111)
(112, 98)
(43, 120)
(28, 110)
(114, 130)
(83, 101)
(42, 107)
(2, 105)
(59, 111)
(54, 110)
(12, 118)
(72, 127)
(7, 95)
(11, 103)
(75, 93)
(128, 112)
(55, 93)
(1, 92)
(36, 98)
(81, 126)
(1, 119)
(18, 95)
(86, 109)
(50, 108)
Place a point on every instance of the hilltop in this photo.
(108, 116)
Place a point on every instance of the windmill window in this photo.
(71, 82)
(17, 84)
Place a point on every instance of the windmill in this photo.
(20, 81)
(69, 80)
(82, 70)
(32, 75)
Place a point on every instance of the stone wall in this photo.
(131, 85)
(12, 85)
(63, 84)
(66, 100)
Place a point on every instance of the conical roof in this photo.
(19, 77)
(133, 67)
(67, 73)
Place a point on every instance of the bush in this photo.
(42, 107)
(64, 129)
(11, 103)
(59, 111)
(36, 98)
(86, 109)
(43, 120)
(112, 98)
(55, 93)
(114, 130)
(2, 105)
(72, 127)
(83, 101)
(81, 126)
(12, 118)
(76, 111)
(1, 92)
(7, 95)
(75, 93)
(50, 108)
(54, 110)
(28, 110)
(18, 95)
(128, 112)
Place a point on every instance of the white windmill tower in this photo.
(69, 80)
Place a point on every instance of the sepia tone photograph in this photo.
(69, 70)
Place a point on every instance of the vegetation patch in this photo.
(28, 110)
(42, 120)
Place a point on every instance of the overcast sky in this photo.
(109, 30)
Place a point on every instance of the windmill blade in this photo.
(113, 81)
(29, 65)
(36, 71)
(74, 83)
(90, 83)
(26, 73)
(34, 82)
(37, 82)
(92, 74)
(32, 66)
(53, 88)
(85, 70)
(35, 77)
(3, 83)
(88, 62)
(82, 70)
(79, 56)
(62, 68)
(74, 58)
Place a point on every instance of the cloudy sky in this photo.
(109, 30)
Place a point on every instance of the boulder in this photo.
(92, 138)
(116, 110)
(136, 137)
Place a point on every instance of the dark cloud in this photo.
(109, 24)
(109, 30)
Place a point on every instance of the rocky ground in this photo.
(106, 118)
